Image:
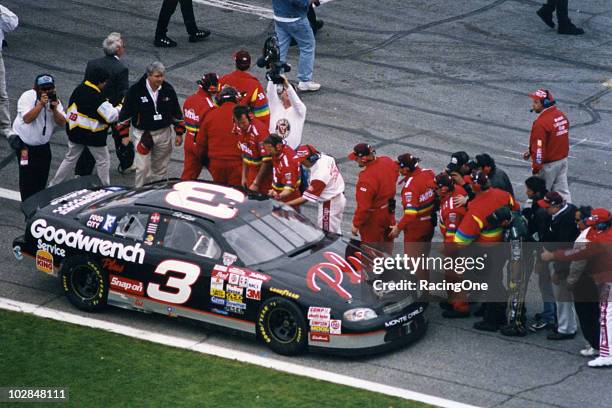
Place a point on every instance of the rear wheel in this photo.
(84, 283)
(282, 327)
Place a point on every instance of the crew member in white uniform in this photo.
(325, 187)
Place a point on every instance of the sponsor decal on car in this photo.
(68, 207)
(333, 272)
(217, 301)
(229, 259)
(152, 228)
(127, 285)
(319, 313)
(217, 287)
(82, 242)
(44, 261)
(323, 337)
(233, 297)
(94, 221)
(155, 218)
(186, 217)
(112, 265)
(285, 292)
(234, 279)
(219, 311)
(52, 248)
(109, 223)
(254, 289)
(234, 289)
(335, 326)
(149, 239)
(138, 303)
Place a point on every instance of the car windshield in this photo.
(264, 237)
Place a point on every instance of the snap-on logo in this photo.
(127, 285)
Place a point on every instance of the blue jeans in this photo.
(302, 33)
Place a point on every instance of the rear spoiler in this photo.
(42, 198)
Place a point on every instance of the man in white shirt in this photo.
(325, 187)
(8, 22)
(38, 113)
(287, 113)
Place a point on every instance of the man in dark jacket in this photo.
(115, 89)
(561, 235)
(151, 107)
(538, 222)
(497, 177)
(88, 116)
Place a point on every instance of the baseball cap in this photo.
(43, 80)
(551, 198)
(243, 59)
(480, 178)
(541, 94)
(458, 159)
(407, 160)
(598, 215)
(227, 94)
(360, 150)
(305, 152)
(209, 82)
(443, 180)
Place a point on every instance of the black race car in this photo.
(217, 255)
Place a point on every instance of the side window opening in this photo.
(191, 238)
(132, 226)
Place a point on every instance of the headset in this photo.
(546, 102)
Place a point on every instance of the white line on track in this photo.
(227, 353)
(10, 194)
(242, 7)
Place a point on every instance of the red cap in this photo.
(243, 59)
(551, 198)
(598, 215)
(305, 151)
(542, 94)
(360, 150)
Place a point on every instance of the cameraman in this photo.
(39, 111)
(290, 21)
(287, 112)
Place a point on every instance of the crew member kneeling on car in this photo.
(285, 169)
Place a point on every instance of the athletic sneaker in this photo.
(601, 362)
(309, 86)
(540, 325)
(164, 42)
(589, 351)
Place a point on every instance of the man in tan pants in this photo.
(151, 107)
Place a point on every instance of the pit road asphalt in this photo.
(428, 78)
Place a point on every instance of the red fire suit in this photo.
(286, 173)
(195, 109)
(220, 143)
(549, 140)
(251, 93)
(375, 187)
(254, 154)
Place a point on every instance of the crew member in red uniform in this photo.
(195, 109)
(285, 169)
(450, 216)
(476, 227)
(249, 88)
(375, 196)
(256, 162)
(418, 199)
(217, 142)
(599, 252)
(549, 143)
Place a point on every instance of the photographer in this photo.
(39, 111)
(287, 112)
(290, 21)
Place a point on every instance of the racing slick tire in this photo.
(281, 325)
(85, 283)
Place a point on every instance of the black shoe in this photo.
(570, 29)
(165, 42)
(560, 336)
(318, 25)
(513, 330)
(455, 314)
(480, 311)
(546, 16)
(198, 36)
(486, 326)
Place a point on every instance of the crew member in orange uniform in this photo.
(195, 109)
(375, 196)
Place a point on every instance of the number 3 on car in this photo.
(190, 272)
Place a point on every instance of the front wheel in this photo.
(282, 327)
(84, 283)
